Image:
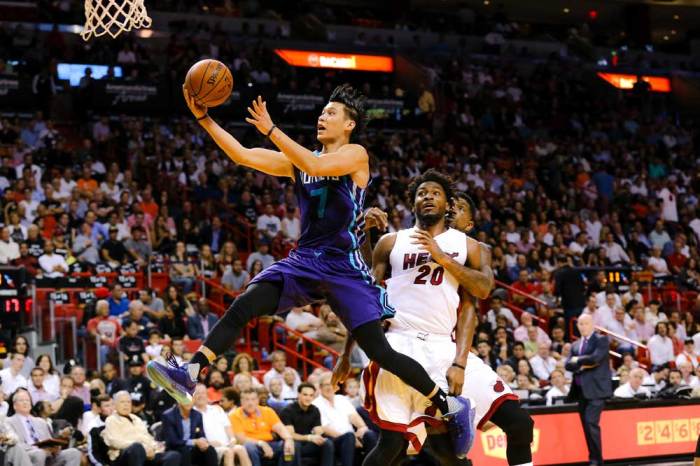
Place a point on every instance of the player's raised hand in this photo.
(259, 117)
(376, 218)
(197, 109)
(427, 243)
(341, 371)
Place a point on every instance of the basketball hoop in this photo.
(114, 17)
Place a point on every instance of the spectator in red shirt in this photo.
(26, 260)
(105, 329)
(524, 285)
(147, 204)
(676, 261)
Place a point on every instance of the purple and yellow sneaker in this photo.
(172, 378)
(460, 424)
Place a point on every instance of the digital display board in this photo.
(343, 61)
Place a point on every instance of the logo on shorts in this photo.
(498, 387)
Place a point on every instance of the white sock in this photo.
(193, 370)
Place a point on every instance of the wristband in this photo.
(206, 115)
(454, 364)
(271, 130)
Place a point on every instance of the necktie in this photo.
(32, 432)
(582, 348)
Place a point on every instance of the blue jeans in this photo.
(257, 458)
(325, 454)
(345, 446)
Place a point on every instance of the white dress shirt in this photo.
(336, 416)
(542, 368)
(215, 422)
(660, 350)
(10, 382)
(626, 391)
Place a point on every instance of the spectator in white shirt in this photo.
(620, 324)
(653, 315)
(269, 224)
(301, 320)
(614, 252)
(688, 354)
(217, 429)
(341, 423)
(52, 264)
(660, 346)
(496, 310)
(641, 328)
(37, 389)
(633, 388)
(632, 293)
(656, 381)
(279, 364)
(578, 247)
(657, 264)
(669, 210)
(689, 378)
(559, 387)
(543, 363)
(520, 333)
(291, 225)
(603, 314)
(659, 237)
(9, 250)
(11, 377)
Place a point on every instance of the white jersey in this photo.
(425, 296)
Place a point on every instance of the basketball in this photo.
(210, 82)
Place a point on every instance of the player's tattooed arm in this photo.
(464, 335)
(347, 160)
(265, 160)
(476, 277)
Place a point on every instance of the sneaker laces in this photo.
(172, 362)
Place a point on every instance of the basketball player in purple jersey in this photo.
(330, 188)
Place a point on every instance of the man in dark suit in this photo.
(592, 383)
(183, 431)
(200, 323)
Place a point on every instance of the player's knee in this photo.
(519, 429)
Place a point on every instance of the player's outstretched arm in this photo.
(464, 335)
(476, 278)
(264, 160)
(347, 160)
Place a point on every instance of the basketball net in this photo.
(114, 17)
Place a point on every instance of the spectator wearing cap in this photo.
(633, 388)
(52, 265)
(128, 439)
(118, 302)
(660, 346)
(303, 420)
(202, 321)
(262, 254)
(138, 384)
(105, 329)
(113, 251)
(656, 381)
(688, 354)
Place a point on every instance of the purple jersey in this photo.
(331, 212)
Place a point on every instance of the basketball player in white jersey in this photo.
(425, 290)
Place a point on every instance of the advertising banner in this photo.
(626, 434)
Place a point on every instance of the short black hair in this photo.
(436, 177)
(466, 198)
(304, 385)
(354, 102)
